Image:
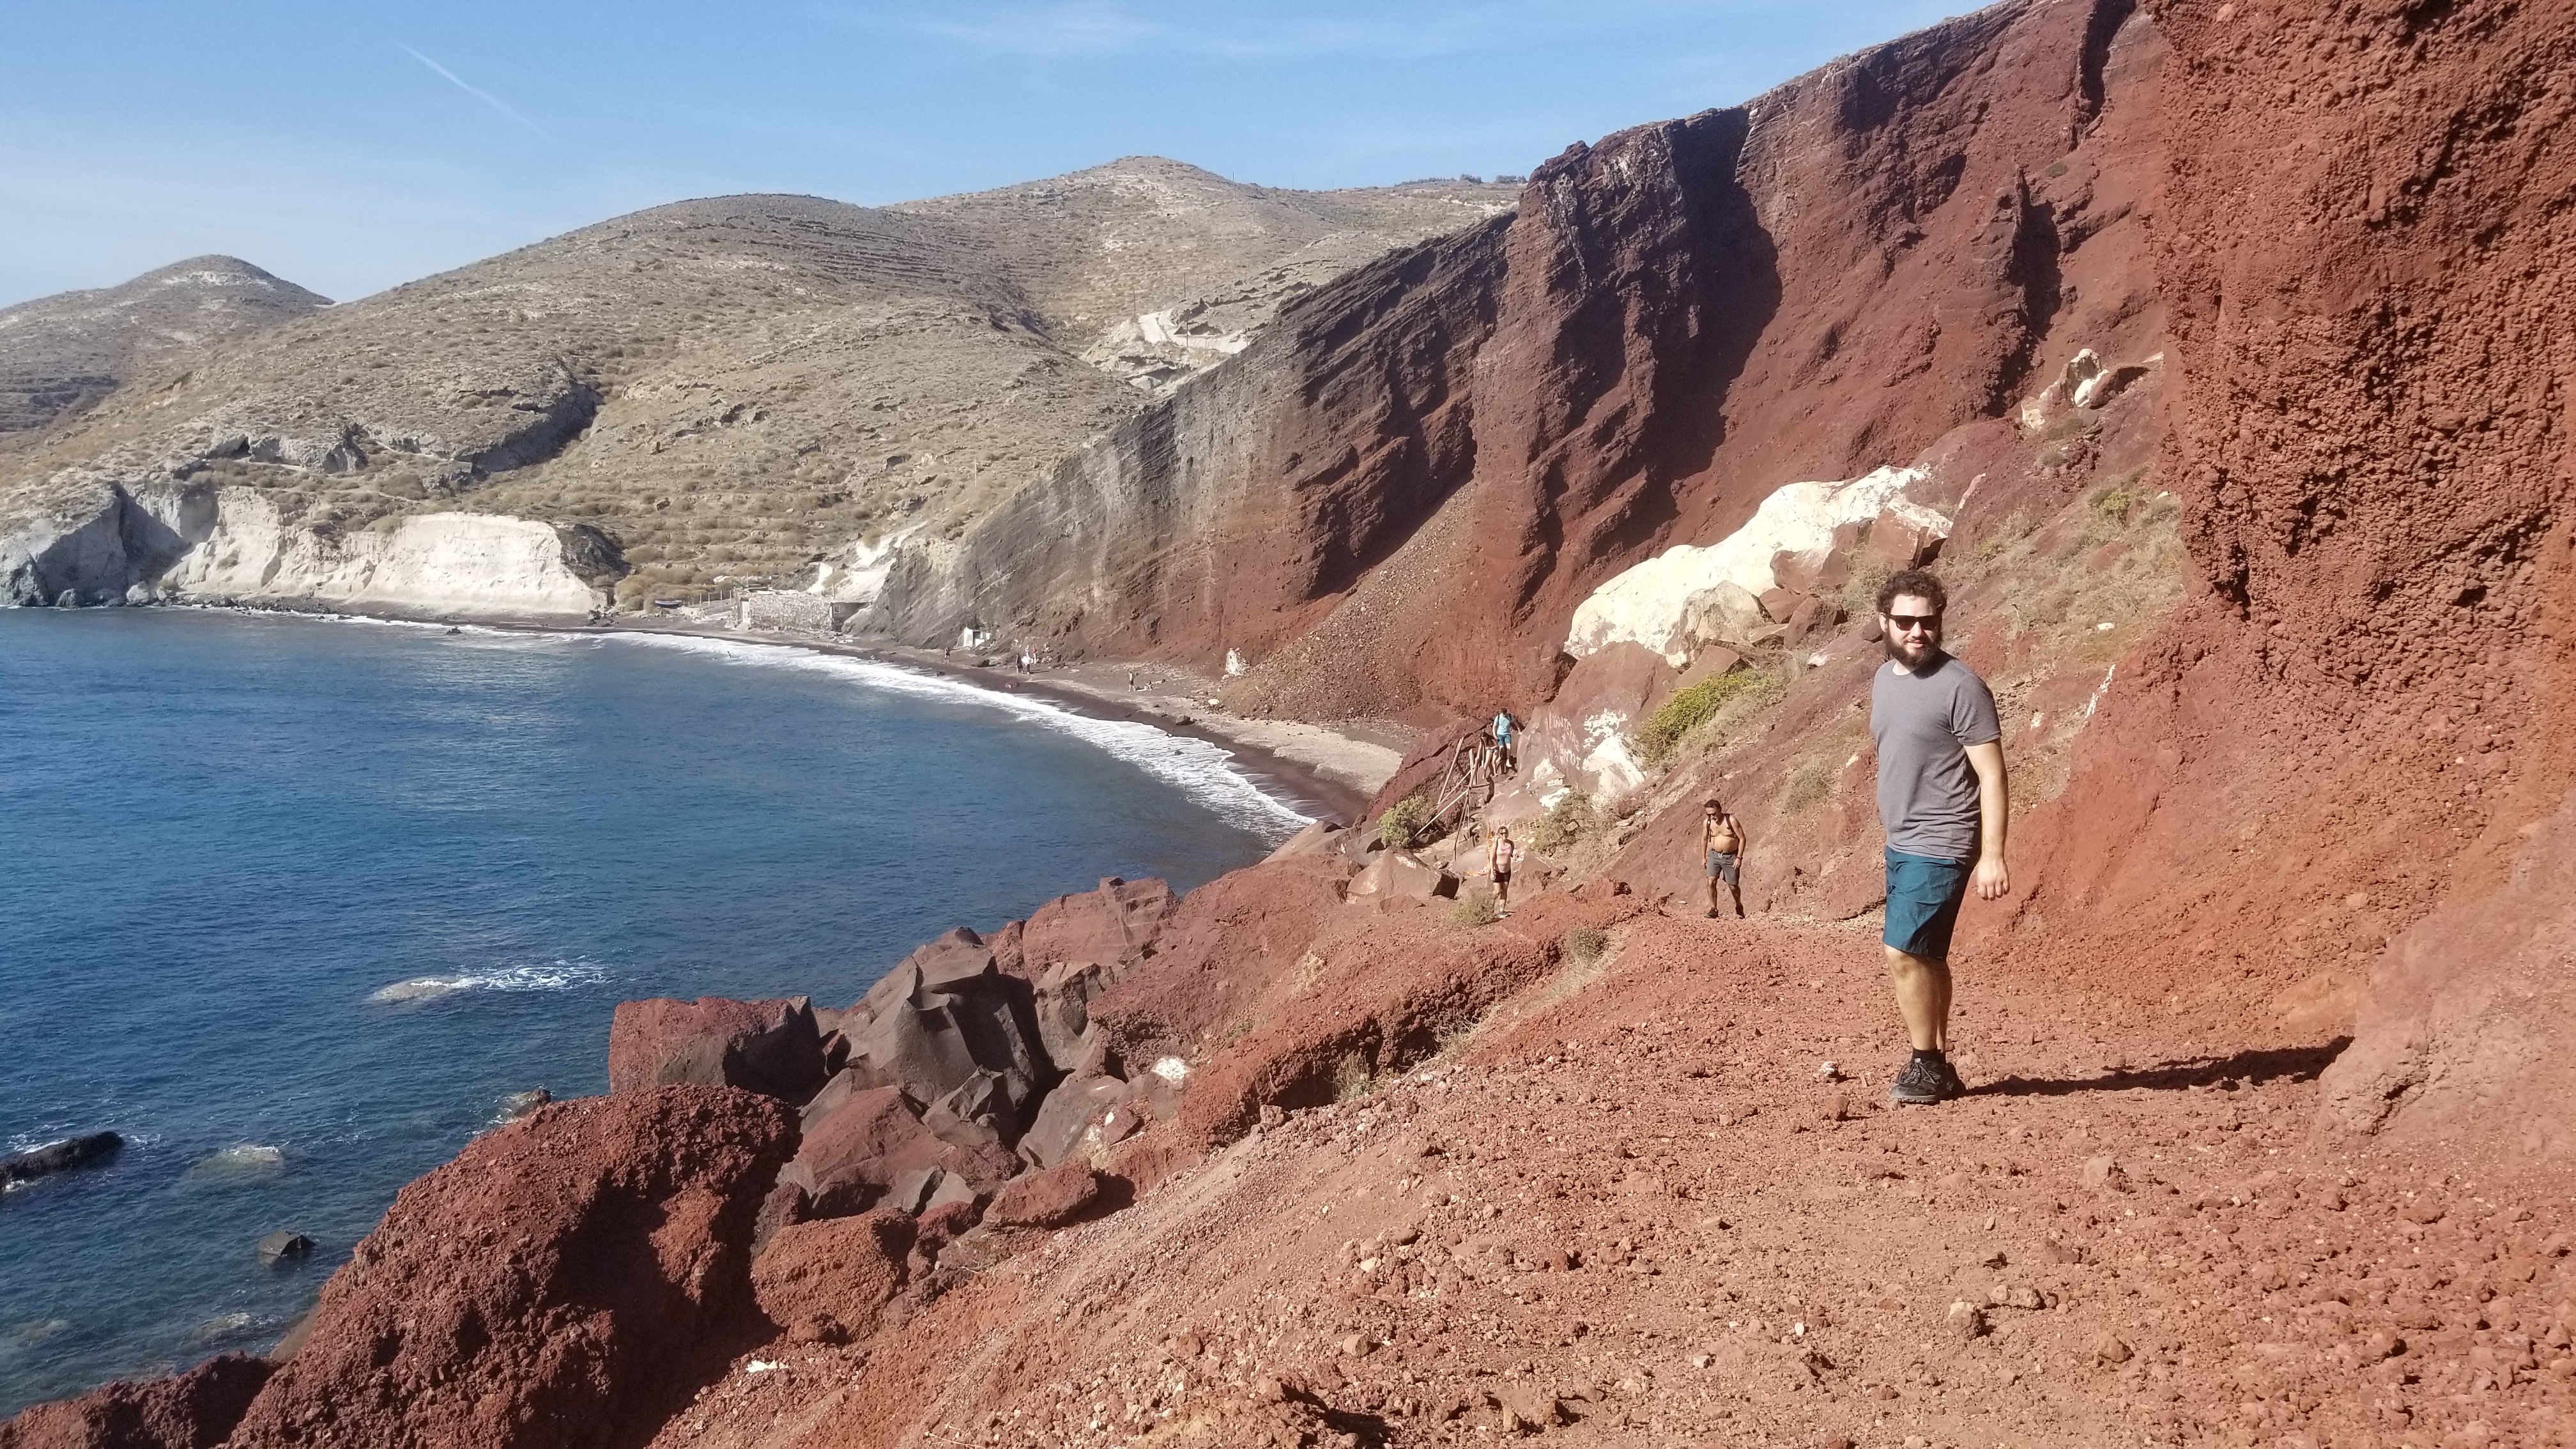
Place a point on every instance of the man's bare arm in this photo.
(1994, 807)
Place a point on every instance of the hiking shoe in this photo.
(1921, 1083)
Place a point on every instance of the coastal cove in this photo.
(297, 904)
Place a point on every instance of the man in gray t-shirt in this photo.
(1943, 798)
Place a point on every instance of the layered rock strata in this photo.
(1401, 493)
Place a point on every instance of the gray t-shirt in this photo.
(1927, 792)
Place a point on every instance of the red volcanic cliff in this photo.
(1401, 491)
(2366, 251)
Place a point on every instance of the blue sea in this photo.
(294, 904)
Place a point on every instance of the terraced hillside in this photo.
(62, 353)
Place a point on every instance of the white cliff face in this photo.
(1690, 595)
(859, 574)
(438, 563)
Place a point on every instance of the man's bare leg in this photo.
(1922, 998)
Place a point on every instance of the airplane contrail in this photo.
(486, 97)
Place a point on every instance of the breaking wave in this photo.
(557, 976)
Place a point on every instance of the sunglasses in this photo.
(1908, 623)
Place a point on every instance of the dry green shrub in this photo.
(1584, 944)
(1352, 1078)
(1563, 825)
(2014, 528)
(1860, 591)
(1691, 708)
(1395, 828)
(1810, 784)
(1476, 908)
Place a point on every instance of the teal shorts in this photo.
(1923, 897)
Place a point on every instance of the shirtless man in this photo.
(1721, 841)
(1500, 852)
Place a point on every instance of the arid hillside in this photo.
(725, 390)
(59, 355)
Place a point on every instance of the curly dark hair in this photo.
(1913, 583)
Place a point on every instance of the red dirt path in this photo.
(2208, 1272)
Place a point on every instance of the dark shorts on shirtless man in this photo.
(1721, 839)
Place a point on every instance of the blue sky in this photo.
(352, 145)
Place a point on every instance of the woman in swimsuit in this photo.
(1499, 854)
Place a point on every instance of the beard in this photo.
(1930, 647)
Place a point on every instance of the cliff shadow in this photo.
(1706, 323)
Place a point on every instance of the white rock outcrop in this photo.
(1692, 595)
(859, 574)
(432, 563)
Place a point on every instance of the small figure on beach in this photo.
(1721, 842)
(1502, 731)
(1943, 799)
(1500, 852)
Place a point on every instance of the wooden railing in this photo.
(1467, 783)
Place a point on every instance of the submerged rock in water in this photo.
(520, 1104)
(419, 988)
(241, 1160)
(61, 1156)
(280, 1249)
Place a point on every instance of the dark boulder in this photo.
(63, 1156)
(60, 1156)
(278, 1250)
(858, 1140)
(1081, 1114)
(1076, 946)
(945, 1014)
(983, 1111)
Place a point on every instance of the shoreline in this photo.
(1331, 774)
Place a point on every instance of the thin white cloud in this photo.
(486, 97)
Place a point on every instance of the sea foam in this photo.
(556, 976)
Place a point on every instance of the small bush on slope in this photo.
(1690, 708)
